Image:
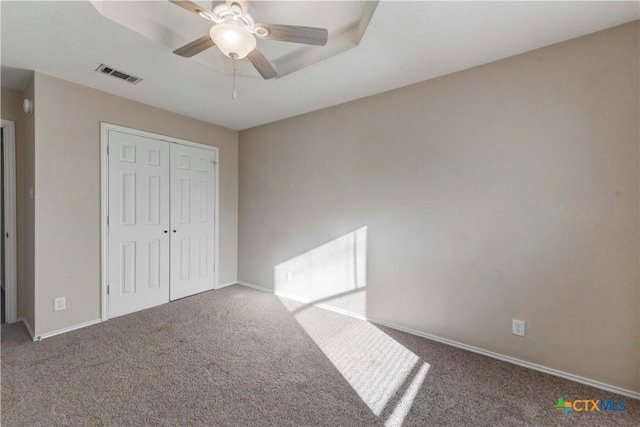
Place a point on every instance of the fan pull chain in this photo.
(234, 93)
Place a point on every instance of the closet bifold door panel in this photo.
(138, 223)
(192, 220)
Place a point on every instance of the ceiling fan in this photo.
(234, 32)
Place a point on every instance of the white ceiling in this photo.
(406, 42)
(173, 27)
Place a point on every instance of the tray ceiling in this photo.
(405, 43)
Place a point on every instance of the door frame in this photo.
(104, 201)
(10, 247)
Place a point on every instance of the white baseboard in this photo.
(67, 329)
(494, 355)
(328, 307)
(224, 285)
(81, 325)
(26, 324)
(256, 287)
(303, 300)
(519, 362)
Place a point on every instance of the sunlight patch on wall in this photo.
(385, 375)
(334, 274)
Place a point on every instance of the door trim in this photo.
(10, 254)
(104, 201)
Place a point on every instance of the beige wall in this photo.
(67, 243)
(505, 191)
(12, 110)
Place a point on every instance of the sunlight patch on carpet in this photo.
(376, 366)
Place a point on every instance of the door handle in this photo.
(166, 231)
(174, 231)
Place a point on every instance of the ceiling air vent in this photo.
(105, 69)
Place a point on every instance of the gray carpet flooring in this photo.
(239, 357)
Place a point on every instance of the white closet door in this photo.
(192, 220)
(138, 223)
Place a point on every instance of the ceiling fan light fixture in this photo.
(232, 39)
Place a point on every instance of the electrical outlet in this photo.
(289, 276)
(59, 304)
(518, 327)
